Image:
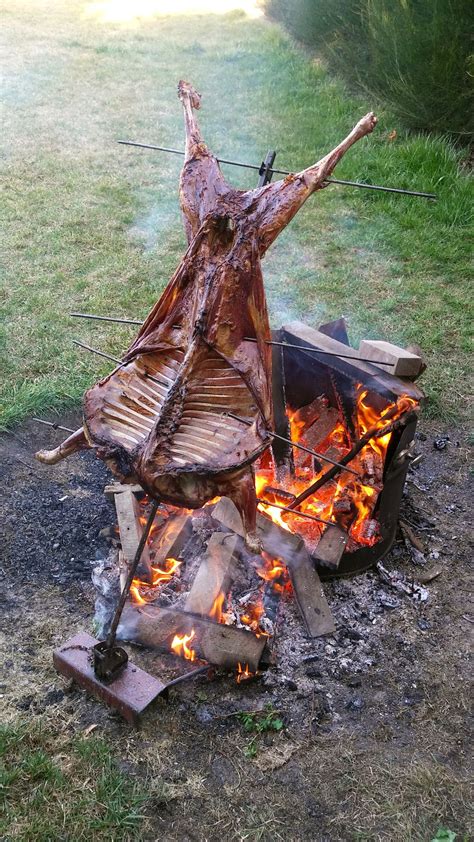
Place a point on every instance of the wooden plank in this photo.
(128, 514)
(114, 488)
(372, 377)
(215, 573)
(173, 536)
(275, 540)
(310, 596)
(223, 646)
(400, 362)
(331, 546)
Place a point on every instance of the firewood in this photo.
(215, 574)
(221, 645)
(330, 547)
(309, 595)
(371, 376)
(291, 549)
(399, 362)
(128, 515)
(172, 538)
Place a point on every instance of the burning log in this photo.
(158, 419)
(218, 644)
(291, 550)
(128, 516)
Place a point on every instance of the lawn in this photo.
(93, 226)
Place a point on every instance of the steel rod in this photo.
(317, 351)
(296, 444)
(55, 426)
(96, 351)
(296, 512)
(106, 318)
(360, 184)
(115, 360)
(131, 574)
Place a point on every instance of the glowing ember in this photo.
(180, 646)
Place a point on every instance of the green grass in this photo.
(62, 788)
(92, 226)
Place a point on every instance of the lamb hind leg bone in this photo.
(281, 200)
(76, 441)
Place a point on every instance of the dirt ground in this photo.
(375, 743)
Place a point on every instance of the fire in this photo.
(159, 575)
(180, 646)
(273, 568)
(216, 611)
(347, 500)
(243, 673)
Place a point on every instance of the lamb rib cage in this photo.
(160, 417)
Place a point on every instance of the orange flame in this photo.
(351, 502)
(180, 646)
(243, 673)
(216, 611)
(159, 575)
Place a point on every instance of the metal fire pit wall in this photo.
(301, 376)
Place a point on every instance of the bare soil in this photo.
(375, 744)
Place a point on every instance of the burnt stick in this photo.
(295, 512)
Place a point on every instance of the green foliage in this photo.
(69, 791)
(444, 835)
(258, 723)
(415, 55)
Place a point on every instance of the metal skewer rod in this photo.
(317, 351)
(296, 444)
(295, 512)
(52, 424)
(361, 184)
(246, 338)
(106, 318)
(115, 360)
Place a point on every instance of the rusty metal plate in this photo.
(131, 693)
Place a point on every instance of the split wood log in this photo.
(130, 528)
(215, 574)
(309, 595)
(331, 546)
(172, 538)
(291, 549)
(399, 362)
(223, 646)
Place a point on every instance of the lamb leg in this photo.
(281, 200)
(201, 180)
(76, 441)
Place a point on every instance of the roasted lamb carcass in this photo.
(161, 418)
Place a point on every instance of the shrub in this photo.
(414, 55)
